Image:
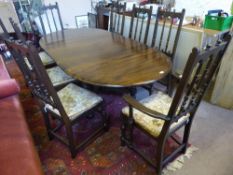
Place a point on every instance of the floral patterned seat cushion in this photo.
(58, 76)
(75, 100)
(45, 58)
(159, 102)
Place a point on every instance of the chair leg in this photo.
(130, 131)
(47, 123)
(133, 91)
(186, 135)
(151, 89)
(123, 129)
(106, 120)
(71, 141)
(169, 85)
(160, 156)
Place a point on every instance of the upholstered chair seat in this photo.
(45, 58)
(58, 76)
(75, 100)
(159, 102)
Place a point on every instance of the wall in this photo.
(71, 8)
(222, 93)
(7, 10)
(200, 7)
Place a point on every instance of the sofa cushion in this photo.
(8, 87)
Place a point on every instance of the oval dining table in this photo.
(102, 58)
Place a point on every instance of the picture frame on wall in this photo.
(81, 21)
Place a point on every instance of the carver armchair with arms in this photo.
(160, 116)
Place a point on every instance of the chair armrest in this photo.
(135, 104)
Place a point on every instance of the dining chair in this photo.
(46, 59)
(4, 34)
(49, 19)
(165, 38)
(92, 20)
(160, 116)
(117, 17)
(4, 30)
(68, 106)
(140, 23)
(58, 77)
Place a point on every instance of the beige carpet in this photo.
(212, 133)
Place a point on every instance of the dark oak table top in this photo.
(101, 58)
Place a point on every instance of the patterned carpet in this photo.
(103, 156)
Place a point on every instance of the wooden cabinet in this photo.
(102, 17)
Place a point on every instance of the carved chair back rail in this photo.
(168, 19)
(48, 21)
(117, 17)
(137, 31)
(17, 30)
(165, 38)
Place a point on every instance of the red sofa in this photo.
(18, 155)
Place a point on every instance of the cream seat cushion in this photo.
(45, 58)
(75, 100)
(159, 102)
(58, 76)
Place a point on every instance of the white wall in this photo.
(200, 7)
(71, 8)
(7, 10)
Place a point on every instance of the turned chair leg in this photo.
(71, 141)
(131, 127)
(106, 120)
(123, 129)
(47, 123)
(186, 135)
(151, 89)
(160, 157)
(169, 85)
